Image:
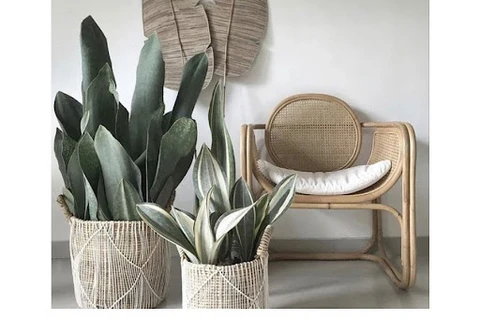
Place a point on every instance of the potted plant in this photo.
(111, 160)
(224, 245)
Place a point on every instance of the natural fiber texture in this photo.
(238, 32)
(238, 286)
(117, 264)
(183, 30)
(316, 133)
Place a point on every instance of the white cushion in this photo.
(343, 181)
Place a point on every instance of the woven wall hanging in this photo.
(182, 27)
(238, 26)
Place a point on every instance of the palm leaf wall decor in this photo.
(182, 27)
(236, 27)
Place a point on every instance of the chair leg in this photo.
(402, 279)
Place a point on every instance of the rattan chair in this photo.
(317, 132)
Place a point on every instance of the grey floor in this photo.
(295, 284)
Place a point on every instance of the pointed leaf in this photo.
(75, 176)
(204, 237)
(69, 113)
(68, 196)
(208, 174)
(63, 147)
(229, 220)
(148, 93)
(193, 77)
(165, 194)
(222, 148)
(104, 213)
(116, 164)
(163, 223)
(91, 200)
(122, 132)
(185, 221)
(176, 144)
(154, 139)
(101, 102)
(242, 197)
(94, 50)
(89, 159)
(261, 208)
(281, 198)
(124, 205)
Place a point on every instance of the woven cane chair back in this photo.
(313, 132)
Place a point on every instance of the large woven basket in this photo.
(117, 264)
(238, 286)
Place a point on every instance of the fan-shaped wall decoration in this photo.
(238, 26)
(182, 27)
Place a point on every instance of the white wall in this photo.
(373, 54)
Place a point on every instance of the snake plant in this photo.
(228, 223)
(111, 159)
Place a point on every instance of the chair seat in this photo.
(340, 182)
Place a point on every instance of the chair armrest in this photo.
(391, 141)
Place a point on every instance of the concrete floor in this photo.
(295, 284)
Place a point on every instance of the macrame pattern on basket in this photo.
(239, 286)
(118, 264)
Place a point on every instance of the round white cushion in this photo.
(343, 181)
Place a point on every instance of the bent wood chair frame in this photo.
(387, 136)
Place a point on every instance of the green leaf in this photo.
(89, 160)
(242, 197)
(181, 170)
(154, 139)
(204, 237)
(148, 93)
(207, 174)
(63, 147)
(91, 200)
(165, 194)
(185, 221)
(116, 164)
(176, 144)
(69, 113)
(222, 148)
(94, 50)
(104, 213)
(281, 198)
(122, 132)
(75, 176)
(124, 205)
(163, 223)
(101, 103)
(193, 77)
(166, 121)
(68, 196)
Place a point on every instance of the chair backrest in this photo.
(313, 132)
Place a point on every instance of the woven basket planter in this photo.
(239, 286)
(117, 264)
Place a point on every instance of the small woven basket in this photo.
(117, 264)
(238, 286)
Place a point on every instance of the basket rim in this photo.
(257, 259)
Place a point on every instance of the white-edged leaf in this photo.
(204, 238)
(242, 197)
(229, 220)
(185, 221)
(281, 198)
(261, 209)
(222, 148)
(164, 224)
(207, 174)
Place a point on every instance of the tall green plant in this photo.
(111, 160)
(228, 224)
